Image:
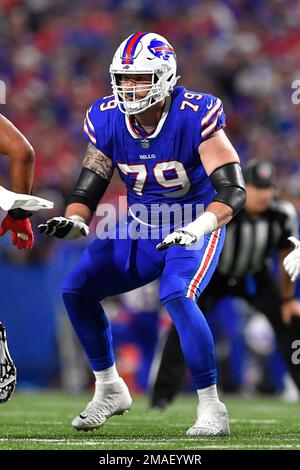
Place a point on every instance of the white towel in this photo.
(10, 200)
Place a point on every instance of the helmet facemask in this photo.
(158, 89)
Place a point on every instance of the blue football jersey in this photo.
(165, 166)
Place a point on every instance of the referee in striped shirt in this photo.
(245, 270)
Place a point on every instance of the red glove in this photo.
(21, 231)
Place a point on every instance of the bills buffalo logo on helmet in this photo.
(160, 49)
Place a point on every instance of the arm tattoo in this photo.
(96, 161)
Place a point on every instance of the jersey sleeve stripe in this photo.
(211, 127)
(210, 114)
(91, 137)
(89, 122)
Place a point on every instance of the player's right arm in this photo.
(97, 171)
(95, 176)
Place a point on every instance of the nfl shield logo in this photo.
(145, 143)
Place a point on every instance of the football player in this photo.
(169, 146)
(19, 204)
(21, 158)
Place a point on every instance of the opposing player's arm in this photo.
(291, 262)
(221, 163)
(21, 156)
(95, 176)
(290, 304)
(286, 284)
(21, 162)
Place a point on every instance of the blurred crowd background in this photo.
(54, 59)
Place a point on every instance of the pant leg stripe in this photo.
(205, 264)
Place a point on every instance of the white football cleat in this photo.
(8, 372)
(115, 400)
(212, 420)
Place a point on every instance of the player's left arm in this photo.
(221, 163)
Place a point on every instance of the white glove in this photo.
(188, 235)
(179, 237)
(66, 228)
(10, 200)
(291, 262)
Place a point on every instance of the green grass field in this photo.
(43, 422)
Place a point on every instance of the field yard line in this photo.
(130, 421)
(254, 446)
(43, 423)
(202, 447)
(10, 413)
(145, 441)
(255, 421)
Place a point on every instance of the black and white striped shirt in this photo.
(250, 240)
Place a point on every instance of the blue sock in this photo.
(92, 328)
(196, 340)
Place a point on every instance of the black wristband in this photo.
(19, 214)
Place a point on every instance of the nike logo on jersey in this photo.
(210, 104)
(147, 156)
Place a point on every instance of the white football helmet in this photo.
(143, 53)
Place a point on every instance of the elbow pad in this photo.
(89, 189)
(229, 183)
